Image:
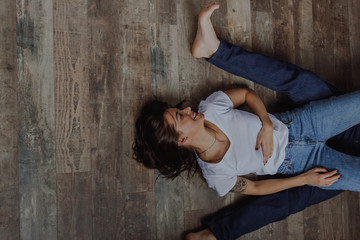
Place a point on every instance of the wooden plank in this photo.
(197, 194)
(324, 40)
(193, 219)
(71, 86)
(135, 72)
(351, 214)
(165, 86)
(342, 46)
(240, 31)
(105, 117)
(283, 43)
(119, 84)
(261, 6)
(283, 31)
(135, 92)
(137, 182)
(163, 12)
(9, 183)
(141, 216)
(74, 206)
(191, 70)
(354, 28)
(239, 23)
(263, 42)
(295, 226)
(37, 169)
(333, 218)
(164, 63)
(303, 34)
(169, 208)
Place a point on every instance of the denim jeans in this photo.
(301, 86)
(309, 129)
(255, 212)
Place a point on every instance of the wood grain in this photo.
(74, 206)
(37, 170)
(74, 75)
(71, 86)
(324, 40)
(354, 25)
(105, 137)
(9, 179)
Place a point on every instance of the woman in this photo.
(228, 143)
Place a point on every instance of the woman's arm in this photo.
(317, 177)
(239, 96)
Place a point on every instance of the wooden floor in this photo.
(73, 76)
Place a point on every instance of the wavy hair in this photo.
(155, 144)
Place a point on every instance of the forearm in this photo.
(258, 107)
(316, 176)
(269, 186)
(264, 187)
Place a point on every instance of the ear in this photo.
(182, 141)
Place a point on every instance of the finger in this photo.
(266, 154)
(334, 179)
(319, 170)
(337, 176)
(332, 173)
(258, 142)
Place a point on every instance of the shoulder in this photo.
(220, 177)
(219, 101)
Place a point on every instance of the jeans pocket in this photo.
(286, 167)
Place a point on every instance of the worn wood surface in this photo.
(37, 170)
(73, 76)
(9, 183)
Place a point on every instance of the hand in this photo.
(265, 140)
(321, 177)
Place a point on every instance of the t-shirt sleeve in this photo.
(218, 101)
(221, 184)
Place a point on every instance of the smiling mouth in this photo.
(195, 115)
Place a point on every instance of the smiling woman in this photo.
(228, 143)
(156, 143)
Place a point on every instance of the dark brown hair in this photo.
(156, 146)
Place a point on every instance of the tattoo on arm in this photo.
(240, 185)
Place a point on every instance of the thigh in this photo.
(347, 165)
(300, 159)
(323, 119)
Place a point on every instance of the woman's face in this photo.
(186, 122)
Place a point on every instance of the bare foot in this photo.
(206, 42)
(202, 235)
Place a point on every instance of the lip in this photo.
(195, 114)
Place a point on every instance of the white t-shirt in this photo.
(242, 129)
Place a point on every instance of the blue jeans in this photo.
(301, 86)
(309, 129)
(255, 212)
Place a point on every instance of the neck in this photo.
(205, 140)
